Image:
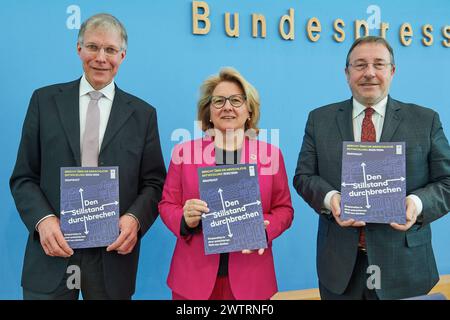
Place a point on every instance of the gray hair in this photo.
(106, 21)
(370, 39)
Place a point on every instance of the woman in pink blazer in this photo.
(229, 112)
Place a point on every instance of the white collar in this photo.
(379, 108)
(86, 87)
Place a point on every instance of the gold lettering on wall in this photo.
(383, 29)
(232, 32)
(291, 26)
(427, 30)
(200, 17)
(313, 29)
(258, 19)
(361, 24)
(406, 34)
(338, 27)
(446, 34)
(202, 22)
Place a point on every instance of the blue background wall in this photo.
(166, 64)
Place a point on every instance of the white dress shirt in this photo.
(104, 104)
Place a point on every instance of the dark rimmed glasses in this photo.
(236, 100)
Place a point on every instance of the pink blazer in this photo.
(192, 273)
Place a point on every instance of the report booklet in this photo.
(90, 206)
(373, 185)
(235, 220)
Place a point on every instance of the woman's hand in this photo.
(193, 210)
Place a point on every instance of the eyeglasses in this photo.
(95, 49)
(360, 66)
(236, 100)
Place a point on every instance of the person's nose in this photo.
(101, 55)
(370, 71)
(227, 106)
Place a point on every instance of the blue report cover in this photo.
(235, 219)
(90, 206)
(373, 186)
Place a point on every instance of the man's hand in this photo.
(127, 239)
(411, 216)
(193, 210)
(260, 251)
(52, 239)
(336, 211)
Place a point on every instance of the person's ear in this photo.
(347, 74)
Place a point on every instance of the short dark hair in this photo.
(370, 39)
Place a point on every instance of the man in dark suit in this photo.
(66, 126)
(401, 256)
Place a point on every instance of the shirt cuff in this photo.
(417, 202)
(135, 218)
(47, 216)
(327, 200)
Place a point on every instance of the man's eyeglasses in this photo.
(236, 100)
(361, 66)
(95, 49)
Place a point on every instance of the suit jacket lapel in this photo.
(344, 120)
(120, 112)
(67, 103)
(392, 120)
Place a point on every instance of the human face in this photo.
(98, 67)
(370, 85)
(228, 117)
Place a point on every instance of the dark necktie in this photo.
(368, 134)
(89, 149)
